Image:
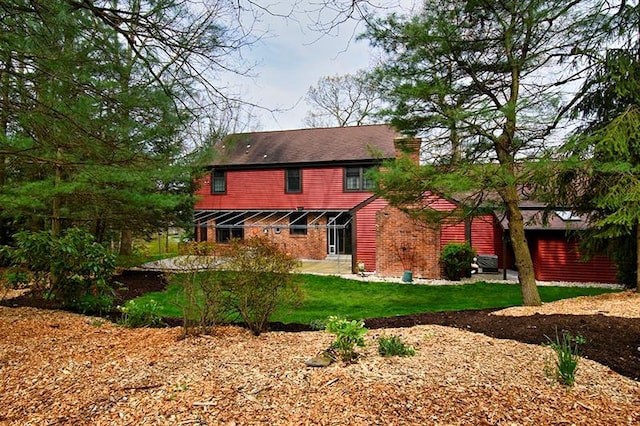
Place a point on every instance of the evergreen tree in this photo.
(600, 171)
(94, 98)
(481, 82)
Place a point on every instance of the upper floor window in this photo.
(355, 179)
(218, 182)
(292, 180)
(298, 223)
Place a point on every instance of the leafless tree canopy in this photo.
(347, 100)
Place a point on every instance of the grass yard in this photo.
(331, 295)
(155, 248)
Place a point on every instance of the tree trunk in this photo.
(56, 207)
(126, 242)
(526, 275)
(638, 257)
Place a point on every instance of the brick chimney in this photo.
(406, 146)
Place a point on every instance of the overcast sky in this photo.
(290, 60)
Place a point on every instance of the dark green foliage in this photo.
(259, 280)
(465, 76)
(72, 268)
(88, 135)
(394, 346)
(600, 171)
(456, 259)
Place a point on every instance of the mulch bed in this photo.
(611, 341)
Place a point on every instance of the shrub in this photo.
(456, 259)
(566, 348)
(349, 334)
(259, 281)
(72, 268)
(95, 304)
(394, 346)
(137, 314)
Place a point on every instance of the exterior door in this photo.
(339, 234)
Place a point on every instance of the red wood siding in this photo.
(486, 235)
(322, 188)
(556, 259)
(366, 233)
(452, 233)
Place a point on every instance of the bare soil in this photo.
(470, 368)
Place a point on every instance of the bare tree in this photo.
(347, 100)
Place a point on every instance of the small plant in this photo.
(394, 346)
(566, 348)
(13, 279)
(137, 314)
(318, 324)
(456, 260)
(94, 304)
(349, 334)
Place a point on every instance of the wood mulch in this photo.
(62, 368)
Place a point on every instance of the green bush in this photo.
(259, 280)
(349, 334)
(394, 346)
(136, 314)
(456, 259)
(566, 348)
(72, 268)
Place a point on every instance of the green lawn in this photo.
(329, 295)
(150, 250)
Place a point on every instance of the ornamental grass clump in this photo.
(394, 346)
(349, 334)
(566, 348)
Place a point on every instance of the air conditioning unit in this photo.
(488, 262)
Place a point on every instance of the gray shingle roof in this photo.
(359, 143)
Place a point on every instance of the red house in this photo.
(308, 190)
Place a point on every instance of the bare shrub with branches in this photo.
(202, 303)
(258, 280)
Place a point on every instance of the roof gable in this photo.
(335, 144)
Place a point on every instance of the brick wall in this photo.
(409, 147)
(406, 244)
(313, 245)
